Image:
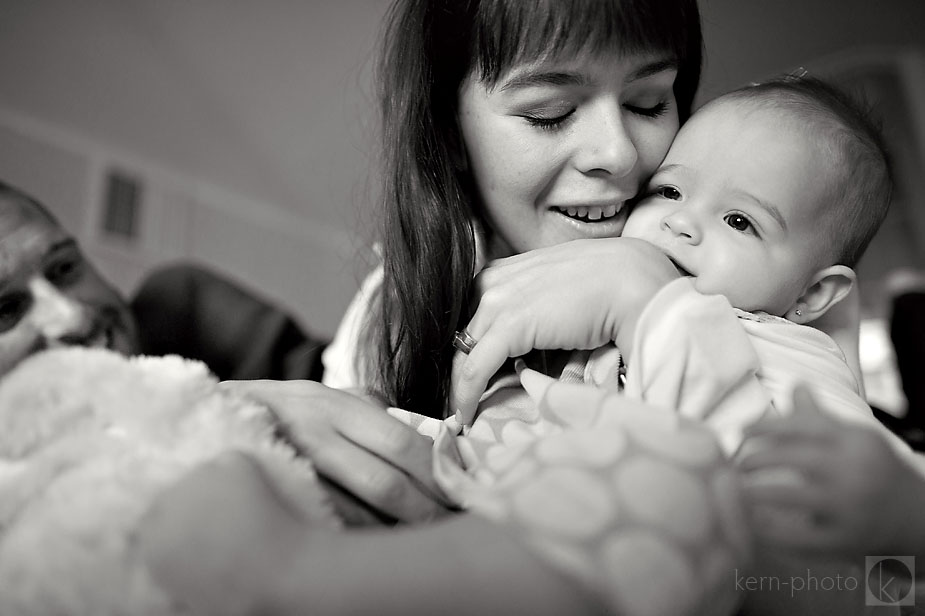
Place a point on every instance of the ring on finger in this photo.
(464, 342)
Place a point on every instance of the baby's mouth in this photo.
(590, 213)
(681, 270)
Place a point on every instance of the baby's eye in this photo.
(739, 223)
(668, 192)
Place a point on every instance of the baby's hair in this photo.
(859, 195)
(429, 202)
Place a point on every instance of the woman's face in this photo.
(557, 148)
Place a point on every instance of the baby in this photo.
(769, 197)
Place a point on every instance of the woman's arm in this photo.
(576, 295)
(256, 557)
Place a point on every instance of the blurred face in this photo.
(736, 205)
(558, 147)
(49, 294)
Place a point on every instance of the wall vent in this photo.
(122, 208)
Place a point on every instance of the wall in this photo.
(250, 124)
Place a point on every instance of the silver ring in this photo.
(464, 342)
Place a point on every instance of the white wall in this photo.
(251, 123)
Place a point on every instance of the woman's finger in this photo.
(472, 372)
(355, 444)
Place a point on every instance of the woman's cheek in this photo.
(656, 140)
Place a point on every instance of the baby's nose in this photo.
(683, 225)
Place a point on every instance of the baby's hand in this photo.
(576, 295)
(839, 486)
(219, 540)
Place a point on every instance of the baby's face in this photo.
(736, 205)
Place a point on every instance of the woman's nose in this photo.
(57, 316)
(682, 224)
(606, 145)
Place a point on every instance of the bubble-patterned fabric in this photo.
(631, 492)
(638, 504)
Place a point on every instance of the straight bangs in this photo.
(512, 32)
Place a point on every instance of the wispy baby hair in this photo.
(860, 191)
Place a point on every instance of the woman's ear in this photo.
(827, 287)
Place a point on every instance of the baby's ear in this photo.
(828, 287)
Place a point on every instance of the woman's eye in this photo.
(668, 192)
(738, 222)
(650, 111)
(547, 122)
(12, 309)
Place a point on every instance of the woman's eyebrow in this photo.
(544, 78)
(653, 68)
(569, 78)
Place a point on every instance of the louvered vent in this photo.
(122, 208)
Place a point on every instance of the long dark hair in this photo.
(429, 48)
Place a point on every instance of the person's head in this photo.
(537, 119)
(769, 195)
(50, 295)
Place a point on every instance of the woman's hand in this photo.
(576, 295)
(849, 492)
(376, 468)
(219, 539)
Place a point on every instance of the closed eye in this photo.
(548, 123)
(653, 111)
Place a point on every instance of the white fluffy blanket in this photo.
(87, 438)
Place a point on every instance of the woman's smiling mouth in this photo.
(590, 213)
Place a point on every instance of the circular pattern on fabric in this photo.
(689, 446)
(566, 502)
(599, 448)
(666, 496)
(648, 576)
